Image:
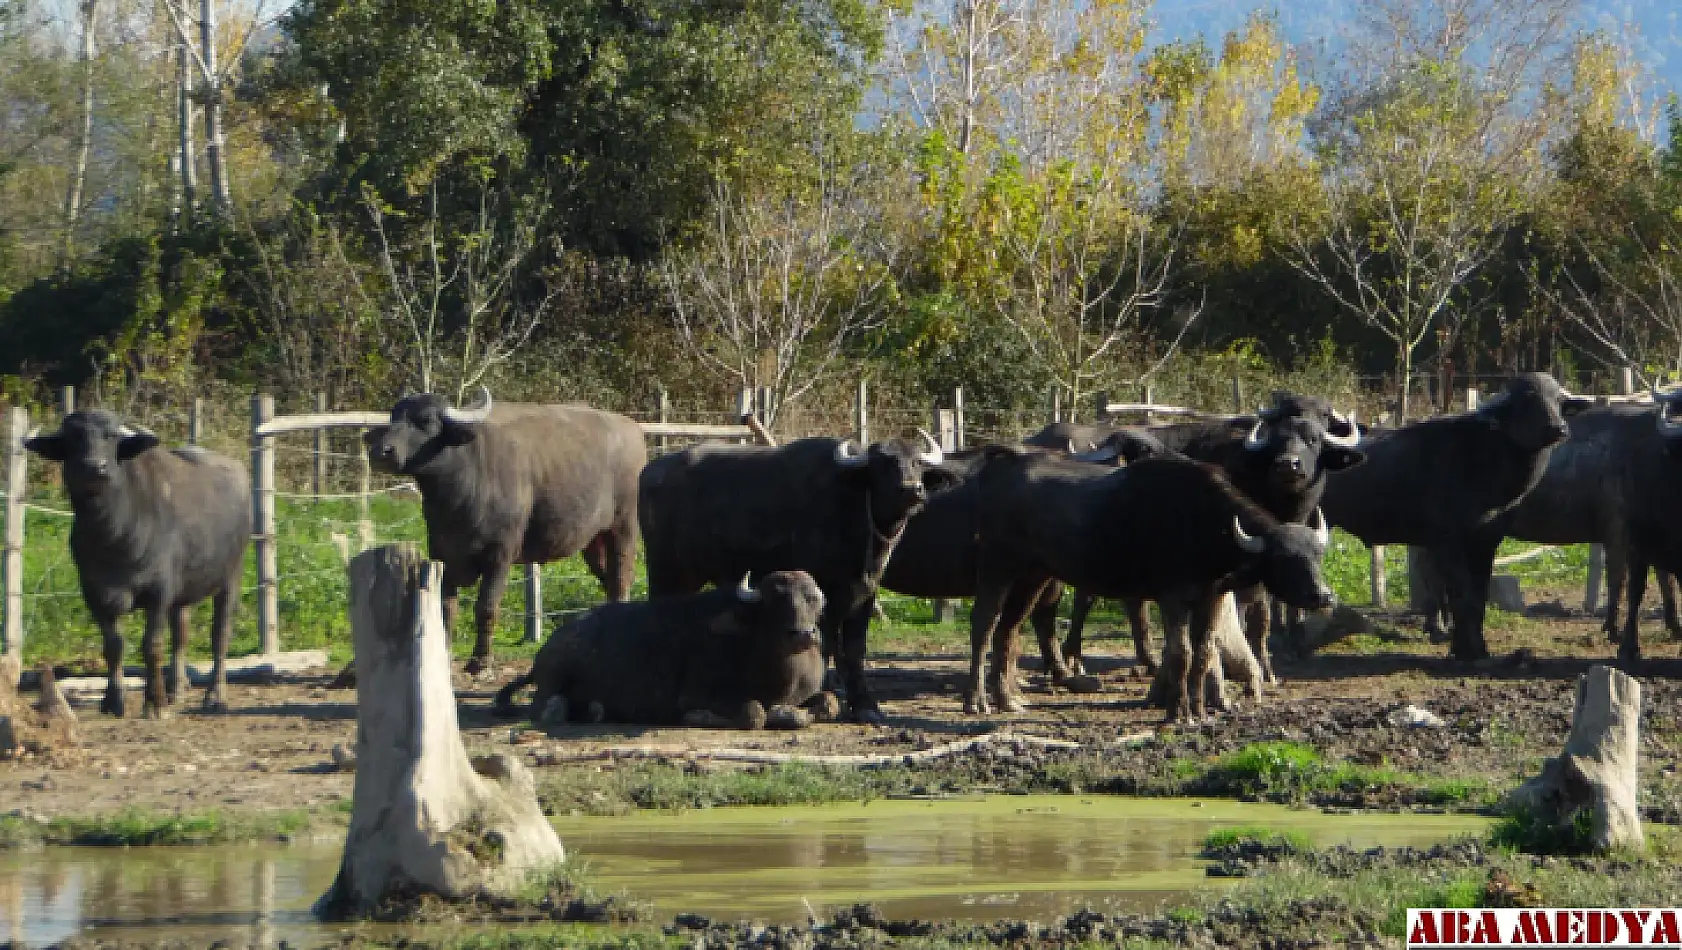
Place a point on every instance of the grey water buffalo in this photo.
(1444, 485)
(516, 484)
(156, 530)
(1280, 459)
(1612, 481)
(741, 657)
(713, 512)
(1167, 529)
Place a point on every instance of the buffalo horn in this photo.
(128, 430)
(844, 456)
(1661, 413)
(1322, 532)
(1256, 441)
(745, 592)
(478, 414)
(32, 433)
(1494, 402)
(1251, 545)
(1108, 452)
(1353, 438)
(933, 456)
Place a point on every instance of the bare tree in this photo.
(213, 71)
(460, 300)
(950, 65)
(779, 283)
(1631, 313)
(84, 136)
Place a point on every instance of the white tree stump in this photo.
(1598, 770)
(1237, 662)
(424, 819)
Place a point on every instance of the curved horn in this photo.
(32, 433)
(1347, 441)
(1108, 452)
(128, 429)
(1070, 449)
(478, 414)
(1249, 543)
(1268, 413)
(933, 456)
(1255, 441)
(844, 456)
(1322, 531)
(745, 592)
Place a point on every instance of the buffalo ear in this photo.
(49, 447)
(373, 434)
(132, 445)
(938, 478)
(458, 434)
(1336, 458)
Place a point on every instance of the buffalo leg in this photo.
(112, 634)
(983, 617)
(221, 633)
(1254, 603)
(450, 598)
(152, 645)
(1044, 619)
(485, 612)
(1667, 593)
(1176, 661)
(1617, 567)
(855, 628)
(1465, 572)
(1073, 645)
(1001, 679)
(1139, 622)
(177, 678)
(620, 552)
(1629, 648)
(1200, 622)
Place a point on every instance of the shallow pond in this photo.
(1008, 856)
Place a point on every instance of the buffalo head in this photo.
(1123, 447)
(1531, 411)
(1287, 559)
(92, 446)
(1301, 437)
(1664, 419)
(422, 428)
(780, 615)
(899, 475)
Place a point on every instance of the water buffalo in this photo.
(1611, 482)
(741, 657)
(517, 484)
(1444, 484)
(1279, 458)
(1167, 529)
(713, 512)
(157, 530)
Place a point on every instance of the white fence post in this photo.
(17, 484)
(957, 418)
(945, 422)
(318, 454)
(263, 527)
(195, 422)
(1380, 581)
(861, 413)
(534, 603)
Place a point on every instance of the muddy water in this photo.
(972, 858)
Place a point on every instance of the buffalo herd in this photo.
(795, 541)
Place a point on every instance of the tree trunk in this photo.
(188, 167)
(1599, 769)
(213, 144)
(84, 144)
(1404, 383)
(424, 818)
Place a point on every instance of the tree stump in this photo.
(1238, 662)
(1598, 770)
(424, 819)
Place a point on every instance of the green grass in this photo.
(136, 827)
(1223, 838)
(1524, 830)
(1294, 771)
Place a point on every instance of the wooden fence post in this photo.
(17, 484)
(195, 422)
(263, 527)
(364, 490)
(1100, 405)
(318, 454)
(67, 399)
(766, 411)
(744, 408)
(945, 422)
(861, 412)
(957, 418)
(1380, 581)
(1054, 401)
(534, 603)
(1150, 400)
(1626, 380)
(662, 444)
(1237, 393)
(1471, 399)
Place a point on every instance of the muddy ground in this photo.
(273, 751)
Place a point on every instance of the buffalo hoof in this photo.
(346, 678)
(825, 707)
(1629, 654)
(976, 706)
(787, 717)
(214, 705)
(1009, 703)
(1082, 683)
(870, 715)
(154, 710)
(554, 711)
(112, 703)
(479, 666)
(1076, 667)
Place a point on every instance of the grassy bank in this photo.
(136, 827)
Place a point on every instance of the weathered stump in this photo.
(1236, 662)
(1598, 770)
(424, 819)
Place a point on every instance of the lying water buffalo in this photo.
(1611, 482)
(156, 530)
(1278, 458)
(1167, 529)
(712, 513)
(520, 484)
(742, 658)
(1444, 484)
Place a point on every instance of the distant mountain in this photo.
(1318, 26)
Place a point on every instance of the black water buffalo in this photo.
(1167, 529)
(156, 530)
(1279, 458)
(1611, 482)
(1444, 484)
(520, 484)
(712, 513)
(742, 658)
